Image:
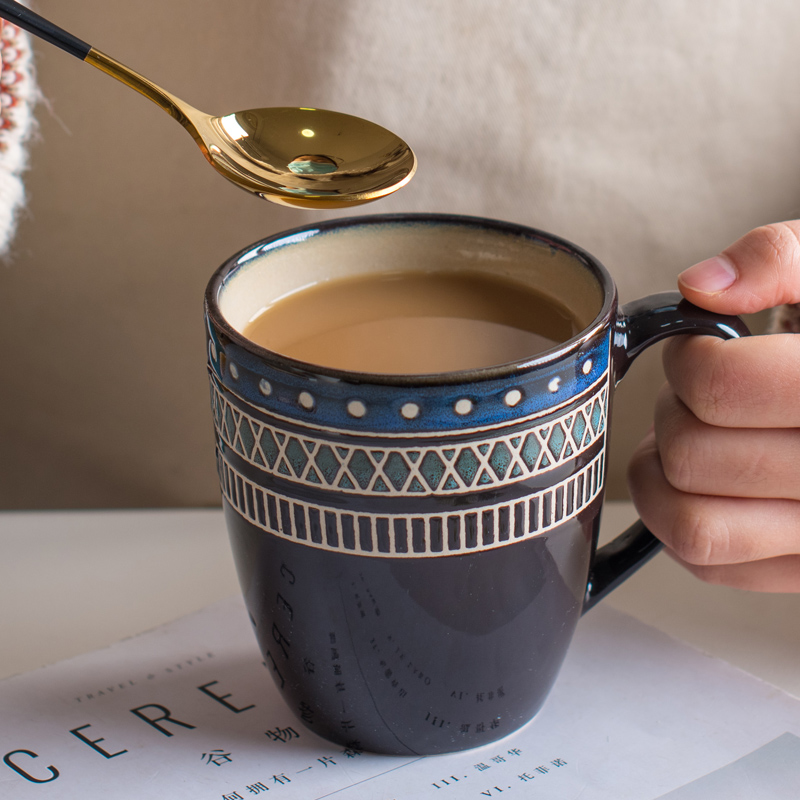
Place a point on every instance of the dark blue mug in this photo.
(415, 551)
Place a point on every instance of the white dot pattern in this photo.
(410, 410)
(355, 408)
(463, 406)
(306, 400)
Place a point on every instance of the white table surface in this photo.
(72, 581)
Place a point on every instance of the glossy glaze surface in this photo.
(419, 655)
(415, 550)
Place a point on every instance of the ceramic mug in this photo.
(415, 551)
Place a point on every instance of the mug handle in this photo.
(639, 324)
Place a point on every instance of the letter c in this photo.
(28, 777)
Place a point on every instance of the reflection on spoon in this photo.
(313, 165)
(304, 157)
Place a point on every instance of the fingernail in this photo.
(710, 276)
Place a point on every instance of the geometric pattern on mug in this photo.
(412, 535)
(420, 470)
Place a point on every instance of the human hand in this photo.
(718, 477)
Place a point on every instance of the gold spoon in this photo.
(293, 156)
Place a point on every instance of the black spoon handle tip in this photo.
(24, 18)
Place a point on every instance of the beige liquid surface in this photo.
(413, 323)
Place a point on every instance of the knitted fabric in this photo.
(18, 95)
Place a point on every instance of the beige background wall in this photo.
(651, 133)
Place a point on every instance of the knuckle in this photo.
(698, 538)
(680, 455)
(776, 242)
(714, 391)
(773, 250)
(755, 473)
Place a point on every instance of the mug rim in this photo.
(496, 371)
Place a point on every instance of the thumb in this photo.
(759, 271)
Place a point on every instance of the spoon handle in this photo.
(24, 18)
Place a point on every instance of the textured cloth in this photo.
(18, 94)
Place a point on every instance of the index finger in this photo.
(753, 382)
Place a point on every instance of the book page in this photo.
(189, 710)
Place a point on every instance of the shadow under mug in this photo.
(415, 551)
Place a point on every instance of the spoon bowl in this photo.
(304, 157)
